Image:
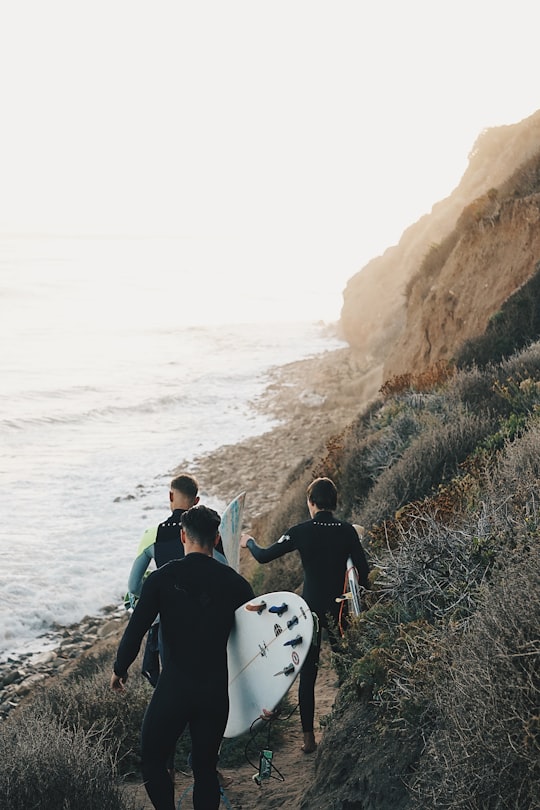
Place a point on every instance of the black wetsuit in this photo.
(162, 544)
(324, 543)
(168, 546)
(196, 598)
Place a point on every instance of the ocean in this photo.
(119, 359)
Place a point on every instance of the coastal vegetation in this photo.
(439, 706)
(440, 675)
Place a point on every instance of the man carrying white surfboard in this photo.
(196, 598)
(324, 544)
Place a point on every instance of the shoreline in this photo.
(21, 673)
(311, 400)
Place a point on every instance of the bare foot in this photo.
(309, 745)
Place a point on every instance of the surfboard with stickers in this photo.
(268, 644)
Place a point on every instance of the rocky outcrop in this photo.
(491, 259)
(20, 675)
(378, 318)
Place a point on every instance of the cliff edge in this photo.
(451, 270)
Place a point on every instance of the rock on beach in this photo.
(20, 675)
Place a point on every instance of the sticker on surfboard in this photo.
(230, 530)
(269, 642)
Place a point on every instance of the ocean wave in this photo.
(102, 413)
(54, 394)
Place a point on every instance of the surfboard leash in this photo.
(265, 767)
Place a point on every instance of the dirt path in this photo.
(296, 767)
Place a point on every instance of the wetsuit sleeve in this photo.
(138, 570)
(264, 555)
(142, 618)
(145, 553)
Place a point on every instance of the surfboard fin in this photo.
(258, 607)
(293, 642)
(288, 670)
(292, 622)
(279, 609)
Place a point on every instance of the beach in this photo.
(311, 400)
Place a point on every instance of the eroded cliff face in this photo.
(493, 253)
(489, 262)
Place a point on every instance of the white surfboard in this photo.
(269, 642)
(353, 592)
(230, 530)
(353, 589)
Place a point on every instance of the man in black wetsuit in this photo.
(196, 598)
(162, 544)
(324, 544)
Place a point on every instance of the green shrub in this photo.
(431, 459)
(85, 701)
(485, 752)
(51, 766)
(437, 570)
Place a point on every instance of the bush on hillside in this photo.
(518, 470)
(434, 457)
(437, 569)
(46, 764)
(524, 181)
(486, 752)
(84, 701)
(378, 444)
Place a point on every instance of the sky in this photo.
(292, 138)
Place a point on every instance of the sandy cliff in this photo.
(395, 325)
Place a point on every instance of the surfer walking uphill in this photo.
(162, 543)
(324, 544)
(196, 598)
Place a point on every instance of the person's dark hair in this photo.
(201, 524)
(323, 493)
(186, 484)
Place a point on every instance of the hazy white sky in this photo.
(305, 133)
